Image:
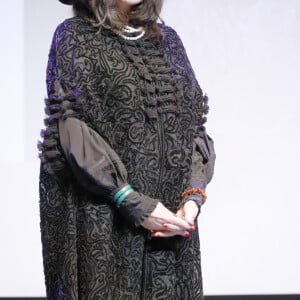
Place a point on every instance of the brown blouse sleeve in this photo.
(203, 162)
(99, 169)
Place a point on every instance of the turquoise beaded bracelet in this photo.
(122, 194)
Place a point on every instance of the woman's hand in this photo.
(188, 212)
(163, 223)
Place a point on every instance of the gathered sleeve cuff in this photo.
(99, 169)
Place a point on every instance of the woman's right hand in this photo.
(163, 223)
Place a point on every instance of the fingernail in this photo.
(186, 235)
(157, 235)
(192, 228)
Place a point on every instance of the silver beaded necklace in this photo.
(131, 33)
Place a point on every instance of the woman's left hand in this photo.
(188, 212)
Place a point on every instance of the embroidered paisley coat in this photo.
(142, 99)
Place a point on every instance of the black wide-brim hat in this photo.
(69, 2)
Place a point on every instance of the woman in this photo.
(125, 157)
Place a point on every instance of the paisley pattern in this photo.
(143, 99)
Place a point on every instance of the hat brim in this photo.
(68, 2)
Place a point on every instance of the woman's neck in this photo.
(123, 8)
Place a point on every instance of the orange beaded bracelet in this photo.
(195, 191)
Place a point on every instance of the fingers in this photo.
(177, 221)
(171, 230)
(168, 223)
(161, 215)
(172, 227)
(166, 233)
(163, 223)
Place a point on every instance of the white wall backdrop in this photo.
(246, 57)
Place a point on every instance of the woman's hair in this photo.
(103, 13)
